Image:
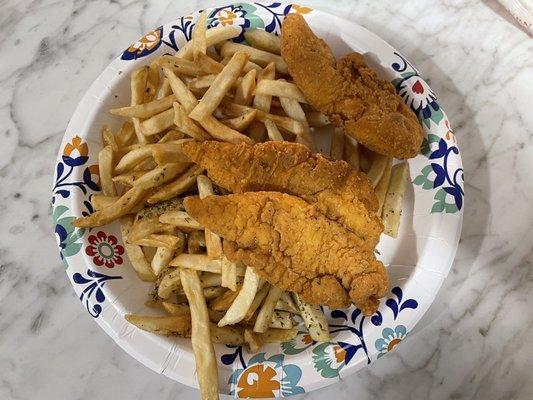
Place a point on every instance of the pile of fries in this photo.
(212, 89)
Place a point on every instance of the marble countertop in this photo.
(476, 342)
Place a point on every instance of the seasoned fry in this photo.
(219, 88)
(392, 207)
(278, 335)
(143, 227)
(125, 135)
(121, 207)
(158, 240)
(164, 89)
(171, 136)
(146, 110)
(253, 340)
(208, 65)
(179, 325)
(244, 299)
(105, 168)
(285, 303)
(99, 201)
(152, 82)
(177, 187)
(258, 300)
(222, 132)
(176, 309)
(263, 40)
(229, 273)
(273, 132)
(149, 253)
(108, 139)
(383, 185)
(224, 301)
(187, 125)
(133, 158)
(337, 144)
(213, 36)
(199, 42)
(170, 283)
(138, 86)
(158, 123)
(204, 352)
(129, 178)
(135, 254)
(170, 152)
(242, 122)
(245, 89)
(210, 280)
(377, 168)
(181, 91)
(199, 262)
(160, 175)
(178, 65)
(257, 56)
(264, 317)
(314, 320)
(161, 259)
(180, 219)
(281, 320)
(262, 102)
(213, 292)
(294, 110)
(249, 66)
(280, 88)
(351, 152)
(212, 240)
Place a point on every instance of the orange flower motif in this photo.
(306, 339)
(449, 134)
(258, 381)
(393, 343)
(228, 18)
(78, 145)
(147, 42)
(340, 354)
(301, 9)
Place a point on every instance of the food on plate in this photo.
(338, 191)
(349, 92)
(295, 247)
(244, 241)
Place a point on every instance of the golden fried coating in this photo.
(339, 192)
(295, 247)
(350, 93)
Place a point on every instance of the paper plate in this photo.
(418, 261)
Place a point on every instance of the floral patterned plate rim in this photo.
(418, 261)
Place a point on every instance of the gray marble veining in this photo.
(476, 341)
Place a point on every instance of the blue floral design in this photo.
(68, 236)
(416, 92)
(93, 292)
(146, 45)
(438, 175)
(390, 338)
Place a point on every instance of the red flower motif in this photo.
(105, 250)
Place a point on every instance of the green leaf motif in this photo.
(438, 207)
(440, 195)
(419, 180)
(71, 249)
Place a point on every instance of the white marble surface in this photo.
(476, 341)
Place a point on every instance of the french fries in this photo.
(204, 352)
(392, 207)
(219, 88)
(213, 89)
(257, 56)
(280, 88)
(265, 313)
(263, 40)
(314, 320)
(237, 311)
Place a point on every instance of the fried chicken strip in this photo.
(350, 93)
(339, 192)
(293, 246)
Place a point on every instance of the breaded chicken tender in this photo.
(339, 192)
(292, 245)
(350, 93)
